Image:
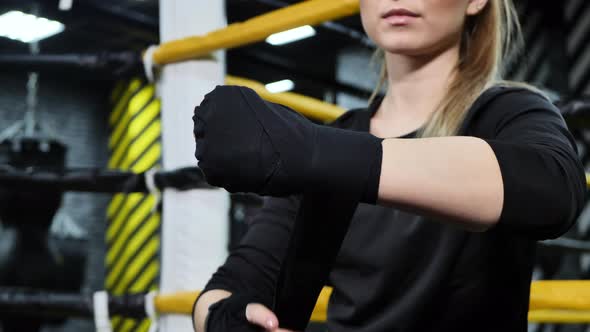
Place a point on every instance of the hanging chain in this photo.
(30, 115)
(32, 89)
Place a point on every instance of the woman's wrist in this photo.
(346, 161)
(201, 307)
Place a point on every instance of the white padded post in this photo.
(195, 223)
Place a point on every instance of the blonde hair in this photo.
(488, 38)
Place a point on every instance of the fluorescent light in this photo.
(27, 28)
(280, 86)
(290, 36)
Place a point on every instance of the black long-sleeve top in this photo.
(398, 271)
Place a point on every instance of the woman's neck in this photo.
(416, 87)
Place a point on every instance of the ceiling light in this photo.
(290, 36)
(27, 28)
(280, 86)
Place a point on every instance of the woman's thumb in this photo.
(262, 316)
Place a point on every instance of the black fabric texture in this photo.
(246, 144)
(397, 271)
(229, 314)
(543, 150)
(324, 218)
(275, 151)
(318, 233)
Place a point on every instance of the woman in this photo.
(457, 174)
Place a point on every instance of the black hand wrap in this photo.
(230, 315)
(246, 144)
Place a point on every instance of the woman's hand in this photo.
(237, 313)
(260, 315)
(201, 308)
(245, 144)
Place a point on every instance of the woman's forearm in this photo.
(202, 307)
(454, 179)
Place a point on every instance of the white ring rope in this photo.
(148, 62)
(150, 183)
(102, 320)
(150, 310)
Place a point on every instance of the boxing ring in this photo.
(171, 67)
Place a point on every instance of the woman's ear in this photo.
(475, 7)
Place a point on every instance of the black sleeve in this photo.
(255, 263)
(544, 181)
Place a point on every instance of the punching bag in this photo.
(26, 215)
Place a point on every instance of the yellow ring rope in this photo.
(310, 107)
(310, 12)
(553, 301)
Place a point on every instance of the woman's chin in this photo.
(404, 50)
(402, 46)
